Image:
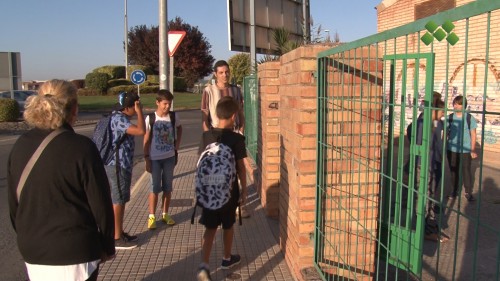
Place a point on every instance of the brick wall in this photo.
(297, 107)
(269, 140)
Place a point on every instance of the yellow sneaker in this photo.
(151, 223)
(167, 219)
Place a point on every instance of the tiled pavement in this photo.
(173, 252)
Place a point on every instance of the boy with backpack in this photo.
(161, 142)
(119, 167)
(219, 168)
(461, 147)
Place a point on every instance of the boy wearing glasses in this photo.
(120, 174)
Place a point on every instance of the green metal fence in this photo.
(381, 215)
(251, 105)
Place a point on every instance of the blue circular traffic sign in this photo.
(138, 77)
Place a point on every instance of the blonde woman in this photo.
(63, 217)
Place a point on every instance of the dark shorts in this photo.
(226, 217)
(119, 195)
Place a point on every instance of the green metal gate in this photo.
(371, 214)
(250, 93)
(401, 220)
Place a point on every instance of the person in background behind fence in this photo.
(461, 147)
(432, 227)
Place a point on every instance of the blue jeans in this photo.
(162, 175)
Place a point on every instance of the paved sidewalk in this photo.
(172, 253)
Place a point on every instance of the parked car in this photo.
(20, 96)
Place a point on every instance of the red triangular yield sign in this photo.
(174, 40)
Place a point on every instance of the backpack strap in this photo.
(468, 117)
(34, 158)
(152, 119)
(194, 213)
(450, 121)
(172, 119)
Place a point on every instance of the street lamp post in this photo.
(327, 39)
(163, 37)
(126, 42)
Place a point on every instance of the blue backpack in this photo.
(103, 138)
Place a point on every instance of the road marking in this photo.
(9, 139)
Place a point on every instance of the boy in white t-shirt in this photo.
(161, 142)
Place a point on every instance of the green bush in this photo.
(9, 110)
(153, 79)
(133, 89)
(123, 88)
(150, 89)
(97, 81)
(119, 82)
(114, 71)
(148, 71)
(180, 84)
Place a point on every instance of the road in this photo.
(11, 263)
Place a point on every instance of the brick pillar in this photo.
(269, 142)
(298, 103)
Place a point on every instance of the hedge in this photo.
(180, 84)
(114, 71)
(133, 89)
(119, 82)
(97, 81)
(148, 71)
(9, 110)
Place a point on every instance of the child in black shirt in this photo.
(226, 109)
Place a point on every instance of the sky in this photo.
(68, 39)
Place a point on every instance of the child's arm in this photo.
(140, 128)
(242, 175)
(473, 134)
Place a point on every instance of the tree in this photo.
(143, 46)
(240, 67)
(192, 59)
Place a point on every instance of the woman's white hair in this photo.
(53, 105)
